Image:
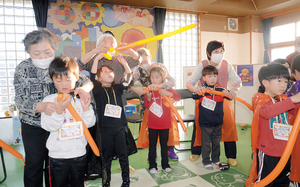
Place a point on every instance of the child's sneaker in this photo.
(168, 170)
(208, 167)
(172, 155)
(153, 170)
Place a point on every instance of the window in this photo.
(16, 19)
(181, 49)
(282, 40)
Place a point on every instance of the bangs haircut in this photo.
(63, 65)
(161, 70)
(209, 70)
(272, 71)
(100, 70)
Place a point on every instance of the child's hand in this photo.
(138, 90)
(121, 59)
(85, 103)
(153, 86)
(226, 93)
(149, 94)
(62, 105)
(165, 92)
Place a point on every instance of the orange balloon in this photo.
(172, 108)
(11, 150)
(86, 131)
(222, 94)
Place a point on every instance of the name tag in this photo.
(156, 109)
(281, 131)
(208, 103)
(71, 131)
(113, 111)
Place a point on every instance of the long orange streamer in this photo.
(168, 100)
(86, 131)
(11, 150)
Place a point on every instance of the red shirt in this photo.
(163, 122)
(268, 111)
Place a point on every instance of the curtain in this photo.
(160, 16)
(267, 24)
(40, 8)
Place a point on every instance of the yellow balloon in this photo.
(158, 37)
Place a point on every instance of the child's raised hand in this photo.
(226, 93)
(62, 105)
(121, 59)
(153, 86)
(85, 103)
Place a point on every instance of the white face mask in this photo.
(298, 49)
(145, 66)
(217, 58)
(42, 63)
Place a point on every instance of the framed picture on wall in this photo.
(233, 24)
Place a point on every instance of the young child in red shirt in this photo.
(159, 120)
(270, 127)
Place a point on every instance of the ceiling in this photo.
(234, 8)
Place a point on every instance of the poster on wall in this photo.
(245, 72)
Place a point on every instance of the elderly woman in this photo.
(215, 53)
(142, 74)
(32, 83)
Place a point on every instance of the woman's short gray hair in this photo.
(104, 37)
(37, 36)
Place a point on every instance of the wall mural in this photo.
(77, 25)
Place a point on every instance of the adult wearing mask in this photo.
(291, 56)
(215, 53)
(32, 83)
(142, 74)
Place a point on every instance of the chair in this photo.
(186, 118)
(136, 118)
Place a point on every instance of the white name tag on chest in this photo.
(113, 111)
(208, 103)
(71, 131)
(156, 109)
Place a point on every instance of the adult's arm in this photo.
(235, 82)
(194, 78)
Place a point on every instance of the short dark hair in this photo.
(213, 45)
(271, 71)
(282, 61)
(208, 70)
(296, 64)
(100, 70)
(63, 65)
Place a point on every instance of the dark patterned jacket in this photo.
(32, 84)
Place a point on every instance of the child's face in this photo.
(210, 79)
(107, 76)
(156, 77)
(64, 84)
(275, 87)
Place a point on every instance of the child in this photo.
(211, 117)
(270, 121)
(67, 150)
(159, 120)
(108, 97)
